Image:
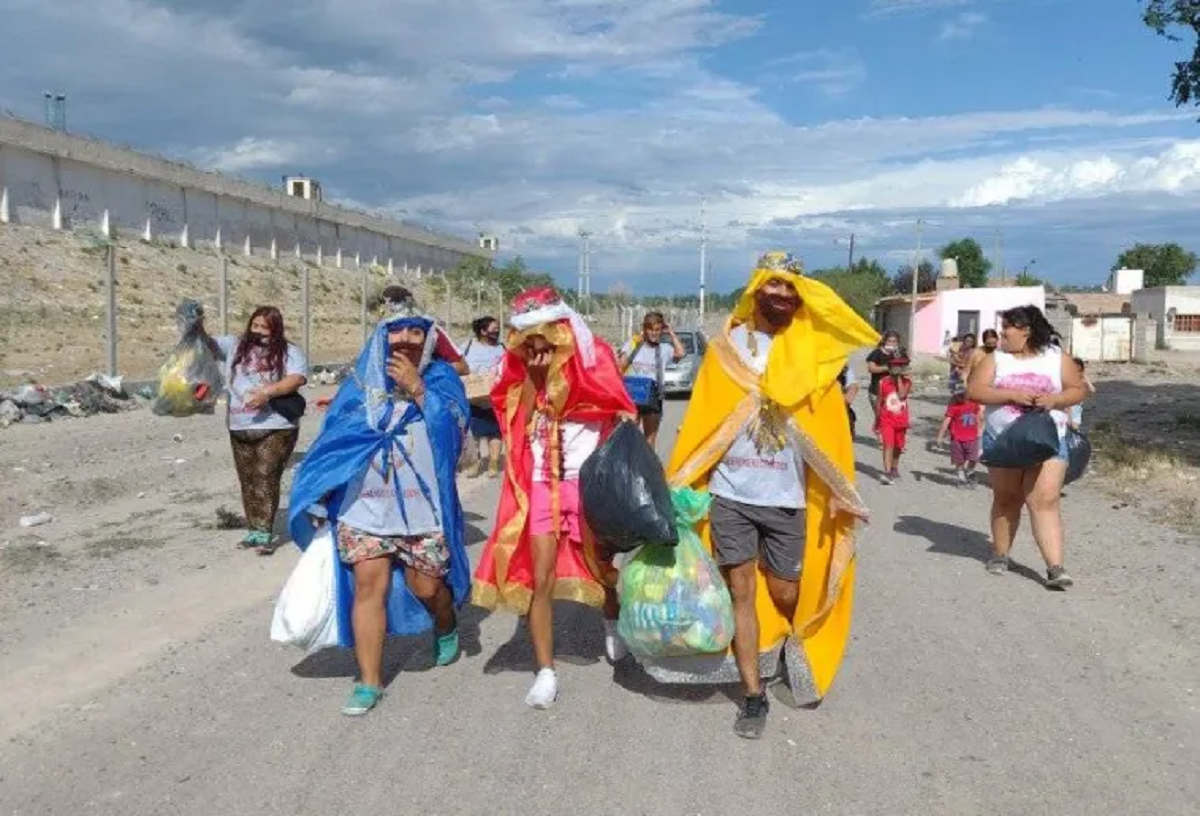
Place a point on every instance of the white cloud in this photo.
(251, 154)
(834, 72)
(534, 118)
(963, 26)
(887, 8)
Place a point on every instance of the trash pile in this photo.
(329, 375)
(32, 404)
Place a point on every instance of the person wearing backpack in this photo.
(647, 356)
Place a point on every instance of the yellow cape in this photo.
(800, 377)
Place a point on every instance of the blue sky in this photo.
(1042, 122)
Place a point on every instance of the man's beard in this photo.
(408, 351)
(777, 310)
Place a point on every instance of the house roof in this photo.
(1097, 303)
(894, 300)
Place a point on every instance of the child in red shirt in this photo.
(893, 416)
(964, 421)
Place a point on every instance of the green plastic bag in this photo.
(674, 602)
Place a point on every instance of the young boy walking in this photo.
(964, 422)
(893, 416)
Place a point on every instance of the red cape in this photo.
(505, 573)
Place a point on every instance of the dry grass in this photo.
(1147, 475)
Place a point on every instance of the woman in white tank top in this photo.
(1027, 372)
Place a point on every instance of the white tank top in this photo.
(1038, 375)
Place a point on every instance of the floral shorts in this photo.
(428, 555)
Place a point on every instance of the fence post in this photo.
(224, 295)
(111, 273)
(307, 314)
(364, 306)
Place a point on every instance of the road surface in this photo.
(139, 678)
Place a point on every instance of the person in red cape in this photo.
(558, 395)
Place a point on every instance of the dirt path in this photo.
(139, 678)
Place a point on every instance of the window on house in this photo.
(1187, 323)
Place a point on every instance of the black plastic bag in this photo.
(624, 493)
(1030, 440)
(1079, 454)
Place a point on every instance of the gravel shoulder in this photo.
(140, 680)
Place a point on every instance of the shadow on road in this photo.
(400, 654)
(868, 470)
(950, 539)
(578, 640)
(629, 675)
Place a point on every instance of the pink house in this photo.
(951, 312)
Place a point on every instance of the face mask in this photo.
(262, 339)
(890, 349)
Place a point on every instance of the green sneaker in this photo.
(445, 648)
(362, 699)
(264, 543)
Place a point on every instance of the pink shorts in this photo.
(541, 510)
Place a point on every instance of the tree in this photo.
(973, 268)
(1164, 264)
(926, 279)
(1164, 16)
(1025, 279)
(860, 286)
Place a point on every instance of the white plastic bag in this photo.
(306, 613)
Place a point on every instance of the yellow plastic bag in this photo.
(191, 379)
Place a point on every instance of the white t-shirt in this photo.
(1038, 375)
(744, 474)
(649, 361)
(482, 358)
(371, 504)
(579, 441)
(252, 374)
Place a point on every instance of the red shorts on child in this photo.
(894, 438)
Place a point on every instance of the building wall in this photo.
(1158, 302)
(62, 181)
(988, 302)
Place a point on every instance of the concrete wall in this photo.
(1158, 302)
(67, 182)
(988, 302)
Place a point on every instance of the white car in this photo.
(678, 378)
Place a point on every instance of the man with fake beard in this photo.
(766, 433)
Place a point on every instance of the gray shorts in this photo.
(743, 532)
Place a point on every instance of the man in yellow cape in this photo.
(779, 391)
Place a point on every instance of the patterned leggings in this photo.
(260, 458)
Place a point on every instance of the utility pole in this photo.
(1000, 256)
(579, 277)
(587, 272)
(850, 263)
(703, 254)
(916, 277)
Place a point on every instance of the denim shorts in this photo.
(1064, 453)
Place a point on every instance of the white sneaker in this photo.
(614, 644)
(544, 691)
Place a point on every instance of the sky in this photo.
(1028, 124)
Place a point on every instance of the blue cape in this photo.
(354, 432)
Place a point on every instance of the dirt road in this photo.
(138, 677)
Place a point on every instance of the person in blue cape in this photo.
(382, 472)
